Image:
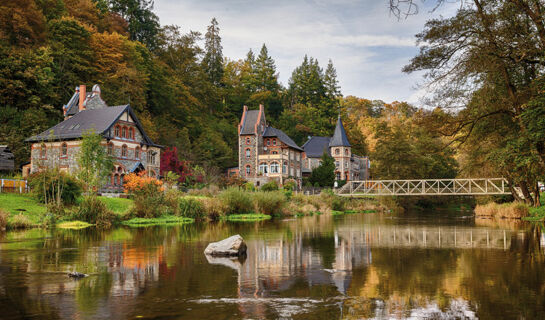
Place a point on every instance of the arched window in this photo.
(131, 133)
(338, 176)
(124, 151)
(116, 179)
(137, 153)
(64, 149)
(274, 142)
(268, 142)
(248, 169)
(247, 140)
(285, 167)
(124, 132)
(119, 169)
(263, 168)
(43, 151)
(337, 151)
(116, 131)
(346, 151)
(275, 168)
(110, 149)
(248, 153)
(275, 152)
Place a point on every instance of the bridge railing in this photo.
(479, 186)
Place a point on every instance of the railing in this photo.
(13, 185)
(432, 187)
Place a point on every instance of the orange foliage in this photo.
(138, 182)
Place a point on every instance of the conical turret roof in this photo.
(339, 138)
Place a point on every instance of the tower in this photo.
(341, 150)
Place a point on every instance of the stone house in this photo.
(348, 166)
(123, 137)
(266, 153)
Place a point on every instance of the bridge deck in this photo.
(428, 187)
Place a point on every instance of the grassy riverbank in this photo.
(24, 211)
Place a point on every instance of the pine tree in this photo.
(306, 85)
(332, 88)
(213, 58)
(265, 76)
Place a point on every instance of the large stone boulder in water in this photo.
(232, 246)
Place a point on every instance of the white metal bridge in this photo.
(425, 187)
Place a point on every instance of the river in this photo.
(419, 265)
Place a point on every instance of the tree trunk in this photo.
(537, 196)
(527, 196)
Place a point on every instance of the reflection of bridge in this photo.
(426, 237)
(425, 187)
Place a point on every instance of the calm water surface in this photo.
(357, 266)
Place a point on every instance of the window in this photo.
(263, 168)
(124, 132)
(298, 173)
(137, 153)
(116, 131)
(110, 149)
(132, 133)
(248, 169)
(346, 164)
(274, 152)
(298, 155)
(124, 151)
(346, 151)
(268, 142)
(247, 140)
(274, 142)
(337, 151)
(43, 151)
(337, 164)
(64, 150)
(291, 171)
(285, 167)
(338, 176)
(248, 153)
(275, 168)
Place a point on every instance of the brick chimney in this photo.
(261, 109)
(82, 96)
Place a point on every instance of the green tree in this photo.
(324, 174)
(143, 23)
(331, 84)
(95, 165)
(213, 57)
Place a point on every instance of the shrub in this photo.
(191, 208)
(20, 221)
(290, 184)
(210, 191)
(46, 184)
(213, 207)
(148, 195)
(236, 201)
(270, 202)
(3, 220)
(270, 186)
(94, 211)
(249, 186)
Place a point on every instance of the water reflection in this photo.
(359, 266)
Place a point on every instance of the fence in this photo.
(13, 185)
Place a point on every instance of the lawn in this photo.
(249, 217)
(15, 203)
(117, 205)
(164, 220)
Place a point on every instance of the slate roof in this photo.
(99, 120)
(273, 132)
(251, 118)
(339, 138)
(315, 146)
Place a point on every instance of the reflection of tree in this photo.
(90, 290)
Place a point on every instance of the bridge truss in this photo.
(426, 187)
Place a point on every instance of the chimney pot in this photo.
(245, 108)
(82, 96)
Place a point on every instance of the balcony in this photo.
(273, 157)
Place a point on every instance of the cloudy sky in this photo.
(367, 44)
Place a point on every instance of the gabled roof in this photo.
(273, 132)
(250, 120)
(316, 146)
(99, 120)
(339, 138)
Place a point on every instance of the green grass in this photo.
(248, 217)
(15, 203)
(164, 220)
(537, 214)
(338, 213)
(117, 205)
(74, 225)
